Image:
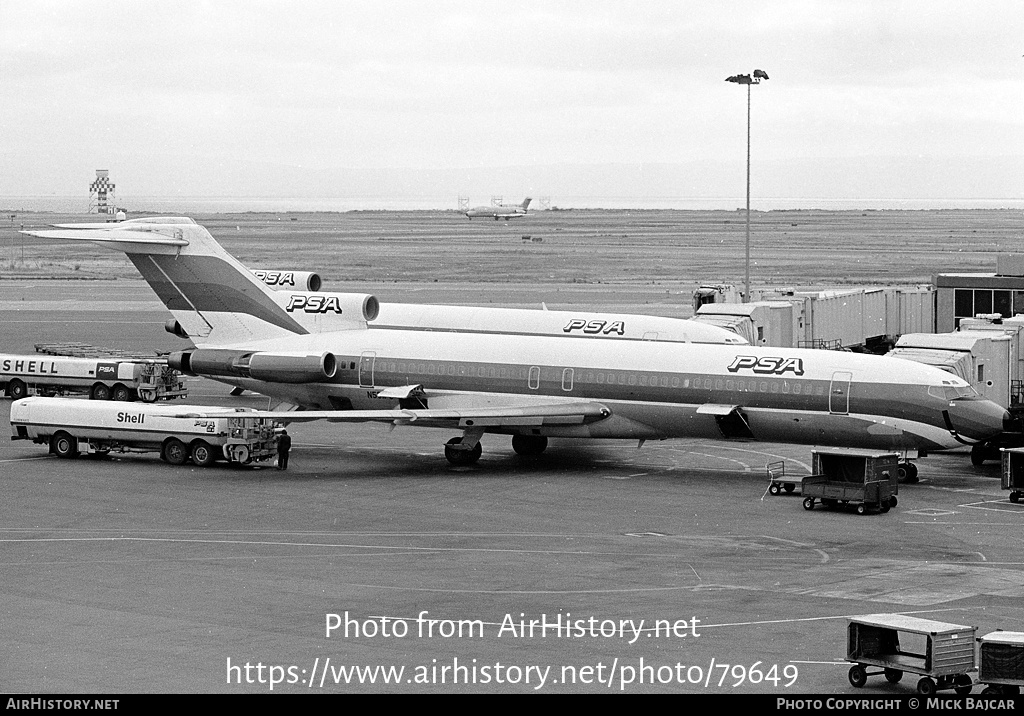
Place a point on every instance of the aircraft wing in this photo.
(511, 416)
(122, 236)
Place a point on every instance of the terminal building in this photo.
(965, 295)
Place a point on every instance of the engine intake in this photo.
(293, 280)
(269, 367)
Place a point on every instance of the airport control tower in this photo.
(101, 194)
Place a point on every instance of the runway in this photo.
(127, 575)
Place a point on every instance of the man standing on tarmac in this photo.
(284, 444)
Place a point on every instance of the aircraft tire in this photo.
(977, 455)
(461, 457)
(202, 454)
(121, 393)
(64, 445)
(175, 452)
(16, 389)
(529, 444)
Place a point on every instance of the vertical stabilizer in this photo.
(214, 298)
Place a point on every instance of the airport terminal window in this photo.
(1001, 303)
(982, 301)
(1018, 302)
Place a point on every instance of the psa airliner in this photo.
(531, 387)
(502, 211)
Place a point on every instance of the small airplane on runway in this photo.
(501, 211)
(531, 387)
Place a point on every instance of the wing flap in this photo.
(535, 415)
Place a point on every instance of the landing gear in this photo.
(459, 454)
(907, 472)
(529, 444)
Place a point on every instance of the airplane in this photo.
(502, 211)
(531, 387)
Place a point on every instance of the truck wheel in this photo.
(808, 503)
(862, 509)
(64, 445)
(893, 676)
(100, 392)
(16, 389)
(121, 393)
(175, 452)
(774, 488)
(202, 454)
(858, 676)
(964, 684)
(1014, 496)
(926, 687)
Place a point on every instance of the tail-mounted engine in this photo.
(269, 367)
(289, 280)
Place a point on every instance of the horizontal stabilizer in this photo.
(122, 236)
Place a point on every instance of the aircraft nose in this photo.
(978, 419)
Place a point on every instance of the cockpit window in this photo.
(951, 392)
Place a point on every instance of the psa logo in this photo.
(593, 327)
(276, 278)
(314, 304)
(768, 364)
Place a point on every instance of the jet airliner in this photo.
(502, 211)
(531, 387)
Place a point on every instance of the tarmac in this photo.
(668, 564)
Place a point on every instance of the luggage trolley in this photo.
(866, 479)
(778, 479)
(1001, 662)
(942, 653)
(1012, 460)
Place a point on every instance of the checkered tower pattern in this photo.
(101, 196)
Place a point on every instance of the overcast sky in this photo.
(224, 95)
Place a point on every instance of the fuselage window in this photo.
(775, 386)
(764, 387)
(567, 376)
(534, 381)
(600, 377)
(643, 380)
(797, 388)
(490, 372)
(632, 378)
(718, 384)
(728, 385)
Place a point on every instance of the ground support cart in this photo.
(867, 480)
(778, 479)
(1001, 662)
(941, 653)
(1013, 472)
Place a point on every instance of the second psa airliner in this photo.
(531, 387)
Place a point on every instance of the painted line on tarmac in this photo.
(26, 459)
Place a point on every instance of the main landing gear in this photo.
(907, 472)
(466, 450)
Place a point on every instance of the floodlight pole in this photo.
(748, 80)
(746, 283)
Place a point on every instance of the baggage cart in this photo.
(941, 653)
(1012, 460)
(1001, 663)
(778, 479)
(864, 479)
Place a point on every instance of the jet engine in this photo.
(343, 306)
(269, 367)
(293, 280)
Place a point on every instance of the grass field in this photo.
(671, 250)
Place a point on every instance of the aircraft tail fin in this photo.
(526, 202)
(214, 299)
